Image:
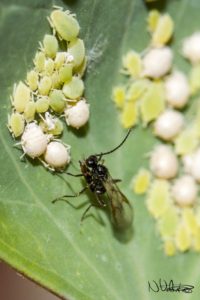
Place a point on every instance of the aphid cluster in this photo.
(53, 89)
(156, 93)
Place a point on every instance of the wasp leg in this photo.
(70, 196)
(116, 180)
(74, 175)
(100, 202)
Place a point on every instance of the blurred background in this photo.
(13, 286)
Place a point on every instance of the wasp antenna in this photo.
(122, 142)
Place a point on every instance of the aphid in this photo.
(76, 48)
(73, 89)
(57, 101)
(16, 124)
(132, 64)
(163, 31)
(29, 112)
(104, 188)
(78, 114)
(141, 181)
(48, 67)
(50, 45)
(129, 115)
(59, 60)
(45, 85)
(177, 89)
(187, 141)
(157, 62)
(163, 162)
(119, 96)
(21, 96)
(57, 155)
(32, 80)
(39, 61)
(191, 48)
(64, 24)
(168, 124)
(65, 73)
(42, 104)
(34, 141)
(184, 191)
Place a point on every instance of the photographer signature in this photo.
(163, 286)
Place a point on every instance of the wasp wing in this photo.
(121, 209)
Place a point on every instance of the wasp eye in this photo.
(91, 161)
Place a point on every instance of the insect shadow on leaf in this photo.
(104, 188)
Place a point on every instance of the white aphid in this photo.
(184, 190)
(57, 155)
(34, 141)
(169, 124)
(163, 162)
(177, 89)
(195, 168)
(50, 121)
(188, 163)
(77, 115)
(191, 47)
(157, 62)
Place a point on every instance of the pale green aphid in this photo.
(39, 61)
(152, 102)
(76, 48)
(59, 60)
(29, 112)
(42, 104)
(45, 85)
(137, 89)
(49, 67)
(159, 198)
(163, 31)
(169, 247)
(21, 96)
(81, 69)
(189, 218)
(187, 141)
(57, 101)
(32, 80)
(64, 24)
(55, 80)
(183, 238)
(132, 64)
(74, 89)
(50, 44)
(168, 222)
(65, 73)
(194, 79)
(16, 124)
(119, 96)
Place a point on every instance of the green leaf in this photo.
(45, 241)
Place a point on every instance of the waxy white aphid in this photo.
(76, 49)
(73, 89)
(195, 168)
(50, 44)
(64, 24)
(77, 115)
(21, 96)
(168, 124)
(16, 124)
(157, 62)
(29, 112)
(57, 155)
(177, 89)
(42, 104)
(39, 61)
(163, 162)
(45, 85)
(184, 190)
(191, 48)
(51, 124)
(32, 80)
(187, 161)
(57, 101)
(34, 141)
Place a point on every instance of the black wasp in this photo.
(105, 189)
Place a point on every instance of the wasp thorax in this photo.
(91, 161)
(102, 171)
